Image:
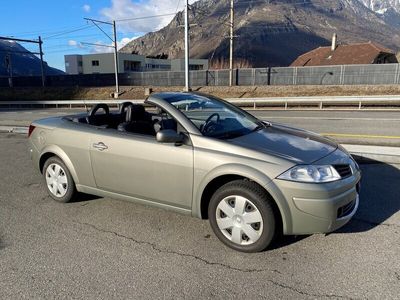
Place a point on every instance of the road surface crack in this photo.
(210, 263)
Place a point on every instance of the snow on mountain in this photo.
(382, 6)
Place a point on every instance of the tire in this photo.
(242, 216)
(59, 182)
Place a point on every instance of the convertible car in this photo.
(200, 155)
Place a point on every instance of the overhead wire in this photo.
(69, 31)
(145, 17)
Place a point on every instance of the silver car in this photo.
(202, 156)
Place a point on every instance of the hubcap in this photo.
(56, 180)
(239, 220)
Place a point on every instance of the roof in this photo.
(353, 54)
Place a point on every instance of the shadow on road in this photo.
(286, 240)
(81, 197)
(2, 244)
(379, 197)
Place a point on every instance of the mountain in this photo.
(382, 6)
(388, 10)
(269, 32)
(23, 62)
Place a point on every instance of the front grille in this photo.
(346, 209)
(343, 170)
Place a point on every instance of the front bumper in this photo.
(319, 208)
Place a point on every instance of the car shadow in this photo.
(379, 196)
(2, 243)
(285, 240)
(82, 197)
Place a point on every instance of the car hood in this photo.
(300, 146)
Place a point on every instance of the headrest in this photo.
(134, 112)
(123, 106)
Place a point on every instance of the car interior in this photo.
(131, 118)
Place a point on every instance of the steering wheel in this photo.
(94, 110)
(209, 124)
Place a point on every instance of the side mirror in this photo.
(169, 136)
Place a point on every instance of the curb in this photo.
(370, 154)
(362, 153)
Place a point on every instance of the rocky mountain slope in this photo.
(381, 6)
(23, 62)
(269, 32)
(388, 10)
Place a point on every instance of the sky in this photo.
(61, 25)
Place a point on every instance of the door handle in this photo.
(100, 146)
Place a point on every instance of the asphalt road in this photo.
(351, 127)
(104, 248)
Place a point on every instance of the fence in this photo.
(325, 75)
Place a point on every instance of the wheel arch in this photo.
(58, 152)
(230, 173)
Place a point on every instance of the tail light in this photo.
(30, 130)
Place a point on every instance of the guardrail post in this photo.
(286, 105)
(359, 105)
(254, 106)
(320, 105)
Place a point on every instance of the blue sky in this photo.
(55, 20)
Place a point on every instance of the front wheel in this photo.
(242, 217)
(59, 182)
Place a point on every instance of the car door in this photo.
(139, 166)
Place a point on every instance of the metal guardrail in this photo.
(285, 102)
(320, 102)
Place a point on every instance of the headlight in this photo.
(311, 173)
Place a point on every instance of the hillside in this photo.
(23, 62)
(269, 33)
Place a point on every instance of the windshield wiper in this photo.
(262, 125)
(267, 124)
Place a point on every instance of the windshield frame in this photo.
(170, 98)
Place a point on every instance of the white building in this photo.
(103, 63)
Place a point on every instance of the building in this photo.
(353, 54)
(102, 63)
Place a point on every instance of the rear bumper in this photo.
(33, 154)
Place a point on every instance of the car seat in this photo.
(137, 120)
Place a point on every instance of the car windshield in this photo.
(215, 117)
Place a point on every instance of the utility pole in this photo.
(187, 78)
(115, 60)
(40, 53)
(41, 61)
(115, 46)
(231, 46)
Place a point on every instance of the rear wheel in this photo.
(59, 182)
(242, 217)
